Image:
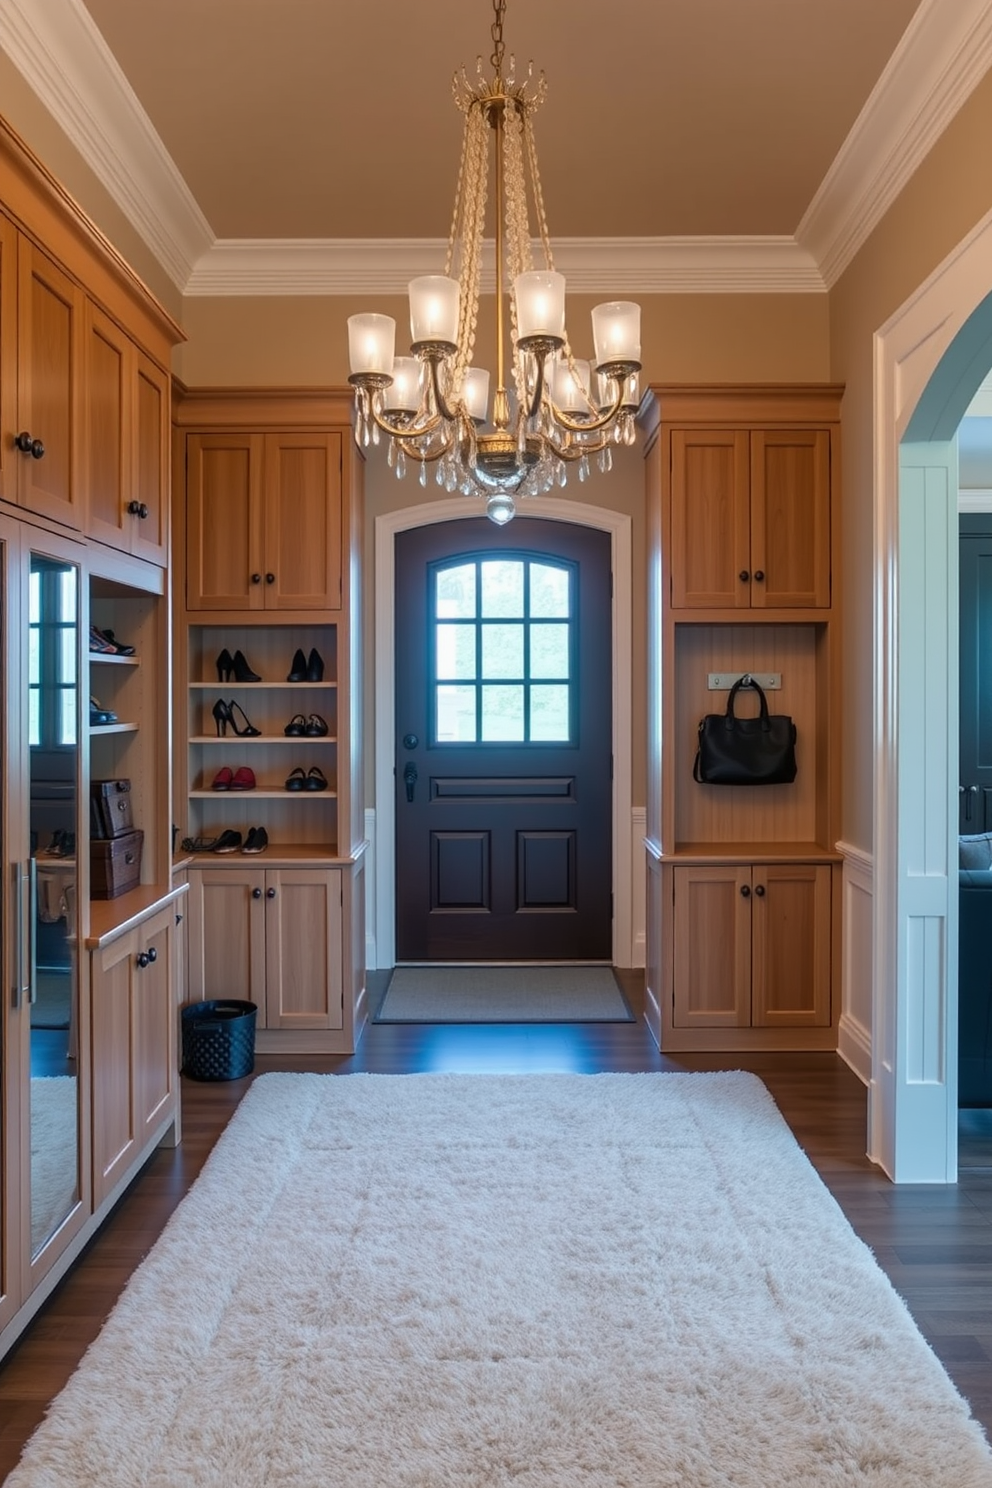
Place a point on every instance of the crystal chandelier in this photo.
(434, 404)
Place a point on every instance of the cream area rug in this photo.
(545, 1281)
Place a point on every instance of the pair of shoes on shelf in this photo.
(230, 841)
(306, 668)
(199, 844)
(314, 726)
(227, 842)
(312, 780)
(256, 841)
(99, 714)
(241, 779)
(62, 845)
(107, 644)
(235, 666)
(224, 714)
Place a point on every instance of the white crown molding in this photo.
(59, 51)
(348, 266)
(943, 55)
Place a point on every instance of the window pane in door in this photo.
(502, 713)
(548, 592)
(549, 714)
(502, 651)
(549, 651)
(455, 723)
(455, 599)
(455, 660)
(502, 589)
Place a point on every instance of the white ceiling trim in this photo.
(944, 54)
(946, 51)
(610, 266)
(59, 51)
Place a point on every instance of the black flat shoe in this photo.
(227, 842)
(242, 671)
(316, 726)
(296, 779)
(315, 779)
(297, 726)
(256, 841)
(298, 670)
(315, 667)
(199, 844)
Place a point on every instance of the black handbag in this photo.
(746, 751)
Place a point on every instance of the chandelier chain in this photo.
(518, 249)
(499, 7)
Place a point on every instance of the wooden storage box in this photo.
(115, 865)
(111, 808)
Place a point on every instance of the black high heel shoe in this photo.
(249, 731)
(225, 666)
(222, 717)
(298, 669)
(242, 671)
(315, 667)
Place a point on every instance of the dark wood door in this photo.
(503, 742)
(975, 779)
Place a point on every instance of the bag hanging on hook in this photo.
(746, 751)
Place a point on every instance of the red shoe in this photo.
(244, 779)
(223, 779)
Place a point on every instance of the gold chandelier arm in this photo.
(427, 457)
(398, 431)
(576, 426)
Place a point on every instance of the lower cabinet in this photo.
(133, 1027)
(752, 946)
(282, 938)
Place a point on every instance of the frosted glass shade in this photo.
(404, 395)
(540, 301)
(630, 397)
(434, 309)
(371, 341)
(616, 332)
(475, 391)
(571, 396)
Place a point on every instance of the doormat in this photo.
(544, 1281)
(503, 994)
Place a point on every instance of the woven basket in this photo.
(219, 1040)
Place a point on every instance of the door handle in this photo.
(410, 778)
(970, 792)
(32, 931)
(22, 978)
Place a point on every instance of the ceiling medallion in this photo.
(434, 404)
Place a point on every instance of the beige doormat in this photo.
(503, 994)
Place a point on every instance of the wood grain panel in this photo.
(8, 359)
(113, 1092)
(790, 518)
(710, 522)
(303, 928)
(223, 521)
(105, 456)
(791, 945)
(712, 987)
(302, 521)
(50, 385)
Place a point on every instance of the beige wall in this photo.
(948, 195)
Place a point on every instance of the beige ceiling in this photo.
(325, 119)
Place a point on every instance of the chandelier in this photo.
(433, 405)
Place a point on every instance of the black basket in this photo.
(219, 1040)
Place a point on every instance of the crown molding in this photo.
(61, 54)
(943, 55)
(348, 266)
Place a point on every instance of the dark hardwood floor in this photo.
(934, 1243)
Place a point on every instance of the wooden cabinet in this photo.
(752, 946)
(263, 520)
(273, 936)
(126, 442)
(133, 1026)
(743, 881)
(750, 518)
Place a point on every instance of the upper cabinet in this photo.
(263, 520)
(750, 517)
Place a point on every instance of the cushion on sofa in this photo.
(975, 851)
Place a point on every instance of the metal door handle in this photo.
(410, 779)
(32, 930)
(970, 792)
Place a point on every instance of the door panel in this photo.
(504, 737)
(976, 676)
(50, 341)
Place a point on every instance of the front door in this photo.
(504, 736)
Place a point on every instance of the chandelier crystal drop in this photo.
(434, 405)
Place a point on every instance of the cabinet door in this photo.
(150, 454)
(302, 521)
(49, 386)
(106, 419)
(155, 1072)
(790, 976)
(226, 945)
(710, 522)
(303, 924)
(9, 456)
(790, 518)
(224, 522)
(111, 1031)
(712, 987)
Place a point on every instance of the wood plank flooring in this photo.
(934, 1243)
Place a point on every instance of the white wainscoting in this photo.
(854, 1030)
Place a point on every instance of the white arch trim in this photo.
(449, 509)
(913, 1097)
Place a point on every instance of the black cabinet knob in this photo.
(743, 575)
(142, 959)
(256, 578)
(760, 891)
(270, 893)
(256, 893)
(137, 509)
(152, 953)
(29, 446)
(759, 574)
(270, 578)
(745, 891)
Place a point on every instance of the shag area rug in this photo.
(549, 1281)
(503, 994)
(54, 1153)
